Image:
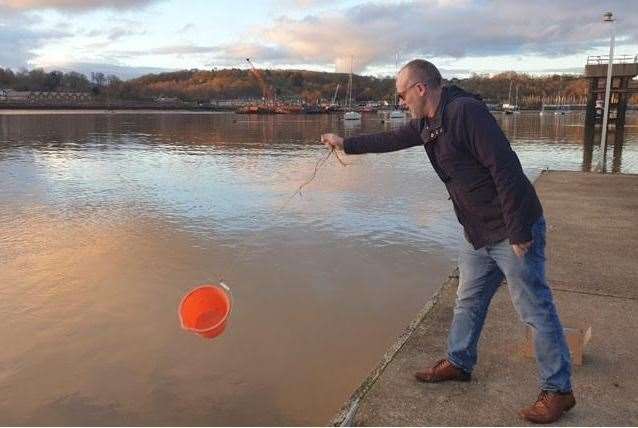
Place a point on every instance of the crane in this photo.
(265, 89)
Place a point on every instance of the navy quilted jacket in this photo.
(492, 197)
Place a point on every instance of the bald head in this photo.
(420, 70)
(419, 88)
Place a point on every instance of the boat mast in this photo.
(334, 97)
(509, 95)
(350, 85)
(396, 70)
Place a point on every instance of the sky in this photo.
(134, 37)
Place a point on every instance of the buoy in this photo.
(205, 310)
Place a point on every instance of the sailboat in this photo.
(509, 108)
(516, 108)
(396, 113)
(351, 114)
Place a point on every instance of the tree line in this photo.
(55, 81)
(205, 85)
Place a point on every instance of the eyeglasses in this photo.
(401, 95)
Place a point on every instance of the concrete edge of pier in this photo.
(346, 414)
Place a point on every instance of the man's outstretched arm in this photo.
(382, 142)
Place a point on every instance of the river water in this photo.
(108, 219)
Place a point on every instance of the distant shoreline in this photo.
(161, 107)
(136, 106)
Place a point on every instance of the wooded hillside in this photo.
(204, 85)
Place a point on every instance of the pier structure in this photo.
(591, 270)
(623, 85)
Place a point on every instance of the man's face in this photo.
(412, 93)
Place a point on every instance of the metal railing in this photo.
(618, 59)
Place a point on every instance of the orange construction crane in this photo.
(265, 89)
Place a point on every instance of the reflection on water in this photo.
(106, 220)
(556, 139)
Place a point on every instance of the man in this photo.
(503, 223)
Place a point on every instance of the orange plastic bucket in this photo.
(205, 310)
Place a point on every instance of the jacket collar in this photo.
(432, 128)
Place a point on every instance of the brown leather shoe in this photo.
(549, 407)
(443, 371)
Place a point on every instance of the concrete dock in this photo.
(592, 252)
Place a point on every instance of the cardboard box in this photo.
(577, 339)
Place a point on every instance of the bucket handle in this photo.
(230, 296)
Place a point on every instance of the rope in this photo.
(320, 163)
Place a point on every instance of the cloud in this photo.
(20, 36)
(116, 33)
(175, 50)
(186, 28)
(121, 71)
(372, 32)
(232, 54)
(74, 5)
(564, 70)
(23, 33)
(272, 54)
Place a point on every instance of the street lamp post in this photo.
(607, 17)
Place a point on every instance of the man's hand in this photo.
(521, 249)
(332, 141)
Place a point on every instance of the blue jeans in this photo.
(481, 273)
